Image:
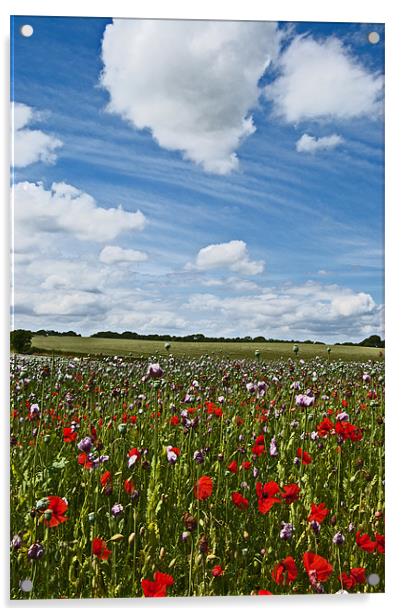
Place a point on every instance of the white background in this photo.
(287, 10)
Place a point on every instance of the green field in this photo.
(137, 348)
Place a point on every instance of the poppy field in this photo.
(173, 476)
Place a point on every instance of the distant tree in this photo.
(20, 340)
(373, 341)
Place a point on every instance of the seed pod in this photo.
(190, 522)
(131, 538)
(162, 553)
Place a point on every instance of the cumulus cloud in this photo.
(193, 84)
(310, 144)
(232, 255)
(67, 209)
(311, 309)
(322, 80)
(116, 254)
(31, 145)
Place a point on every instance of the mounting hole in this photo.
(26, 585)
(373, 579)
(26, 30)
(373, 37)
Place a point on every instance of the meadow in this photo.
(193, 476)
(146, 348)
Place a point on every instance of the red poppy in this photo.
(259, 447)
(365, 542)
(318, 513)
(69, 435)
(304, 456)
(325, 427)
(317, 567)
(99, 548)
(158, 586)
(356, 576)
(348, 431)
(379, 543)
(106, 479)
(246, 465)
(285, 571)
(129, 486)
(84, 460)
(175, 420)
(262, 591)
(266, 495)
(217, 571)
(240, 501)
(58, 507)
(290, 493)
(203, 488)
(233, 466)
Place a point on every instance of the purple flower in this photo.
(85, 444)
(304, 400)
(172, 457)
(343, 416)
(366, 378)
(338, 539)
(16, 542)
(251, 388)
(286, 530)
(36, 551)
(296, 385)
(315, 526)
(117, 510)
(273, 447)
(154, 371)
(199, 457)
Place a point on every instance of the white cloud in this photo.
(311, 309)
(115, 254)
(232, 255)
(307, 143)
(192, 83)
(66, 209)
(31, 145)
(322, 80)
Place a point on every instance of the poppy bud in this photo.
(48, 514)
(203, 544)
(333, 520)
(122, 428)
(91, 517)
(190, 522)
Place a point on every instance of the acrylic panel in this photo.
(197, 344)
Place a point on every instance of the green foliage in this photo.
(20, 340)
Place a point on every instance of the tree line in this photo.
(21, 339)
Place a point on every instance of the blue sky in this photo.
(248, 161)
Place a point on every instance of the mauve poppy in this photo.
(317, 567)
(240, 501)
(304, 456)
(99, 548)
(365, 542)
(285, 571)
(318, 513)
(266, 495)
(290, 493)
(203, 488)
(58, 507)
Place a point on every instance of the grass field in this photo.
(137, 348)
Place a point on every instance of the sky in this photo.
(224, 178)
